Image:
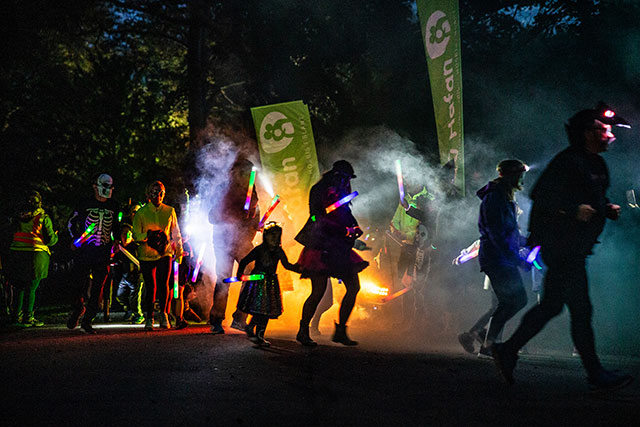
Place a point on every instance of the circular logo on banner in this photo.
(276, 132)
(436, 36)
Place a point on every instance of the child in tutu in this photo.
(262, 298)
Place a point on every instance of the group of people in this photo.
(568, 214)
(328, 239)
(139, 253)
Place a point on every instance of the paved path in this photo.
(127, 377)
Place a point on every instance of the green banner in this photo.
(439, 20)
(288, 154)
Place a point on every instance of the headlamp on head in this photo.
(511, 167)
(607, 116)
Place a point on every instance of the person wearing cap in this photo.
(568, 214)
(328, 239)
(156, 230)
(90, 226)
(500, 242)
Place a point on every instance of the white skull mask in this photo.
(105, 186)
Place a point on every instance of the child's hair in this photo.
(272, 227)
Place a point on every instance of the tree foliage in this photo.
(131, 87)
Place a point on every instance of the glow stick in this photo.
(128, 255)
(343, 201)
(85, 236)
(196, 270)
(274, 203)
(397, 294)
(400, 182)
(186, 211)
(535, 263)
(176, 279)
(466, 257)
(244, 278)
(533, 254)
(252, 180)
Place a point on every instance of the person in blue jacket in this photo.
(500, 242)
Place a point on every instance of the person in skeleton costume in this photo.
(328, 239)
(156, 229)
(91, 225)
(411, 224)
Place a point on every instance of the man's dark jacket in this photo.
(574, 177)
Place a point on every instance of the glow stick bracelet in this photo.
(343, 201)
(129, 255)
(176, 279)
(400, 182)
(274, 203)
(252, 180)
(244, 278)
(85, 236)
(196, 270)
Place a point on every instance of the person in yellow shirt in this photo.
(155, 227)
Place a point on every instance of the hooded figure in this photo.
(500, 239)
(500, 242)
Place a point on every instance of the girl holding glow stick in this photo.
(262, 298)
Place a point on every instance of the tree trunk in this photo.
(197, 57)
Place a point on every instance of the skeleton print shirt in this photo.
(104, 217)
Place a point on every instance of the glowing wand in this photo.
(400, 182)
(252, 180)
(397, 294)
(176, 279)
(244, 278)
(531, 258)
(128, 255)
(466, 257)
(533, 254)
(343, 201)
(274, 203)
(196, 270)
(85, 236)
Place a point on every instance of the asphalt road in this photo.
(127, 377)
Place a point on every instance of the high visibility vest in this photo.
(29, 236)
